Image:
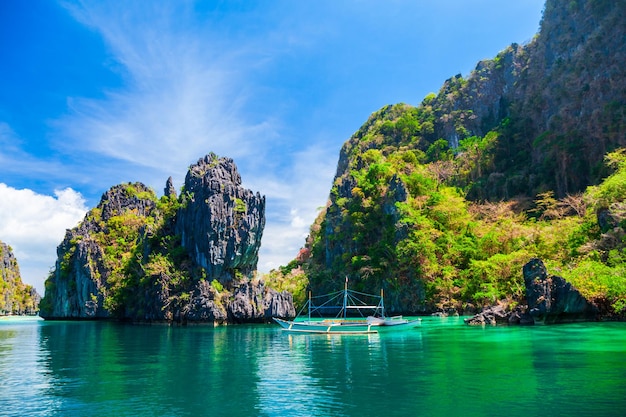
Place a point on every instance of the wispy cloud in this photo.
(34, 225)
(16, 162)
(189, 90)
(183, 92)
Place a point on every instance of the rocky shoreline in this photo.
(550, 300)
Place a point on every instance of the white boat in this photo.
(391, 321)
(351, 301)
(328, 326)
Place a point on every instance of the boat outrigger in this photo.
(356, 303)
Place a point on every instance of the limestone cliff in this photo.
(88, 267)
(190, 258)
(538, 118)
(557, 103)
(15, 296)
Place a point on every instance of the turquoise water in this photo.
(443, 369)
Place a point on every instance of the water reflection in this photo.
(87, 368)
(23, 375)
(141, 370)
(445, 368)
(579, 368)
(337, 375)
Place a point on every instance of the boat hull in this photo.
(327, 326)
(394, 326)
(347, 326)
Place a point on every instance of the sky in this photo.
(97, 93)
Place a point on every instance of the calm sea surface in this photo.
(443, 369)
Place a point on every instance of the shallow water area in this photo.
(443, 368)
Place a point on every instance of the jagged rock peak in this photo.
(221, 223)
(79, 284)
(176, 260)
(169, 190)
(212, 167)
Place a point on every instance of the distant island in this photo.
(16, 298)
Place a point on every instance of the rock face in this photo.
(254, 302)
(15, 297)
(221, 223)
(169, 190)
(485, 95)
(184, 259)
(79, 283)
(560, 93)
(551, 299)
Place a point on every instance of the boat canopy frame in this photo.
(353, 301)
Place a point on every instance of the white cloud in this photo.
(293, 203)
(297, 221)
(34, 225)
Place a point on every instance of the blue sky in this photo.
(95, 93)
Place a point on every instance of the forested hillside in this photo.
(441, 204)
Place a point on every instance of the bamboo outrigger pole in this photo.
(345, 298)
(382, 302)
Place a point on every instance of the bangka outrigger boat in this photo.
(346, 301)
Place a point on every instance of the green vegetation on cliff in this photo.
(15, 296)
(132, 254)
(139, 247)
(435, 250)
